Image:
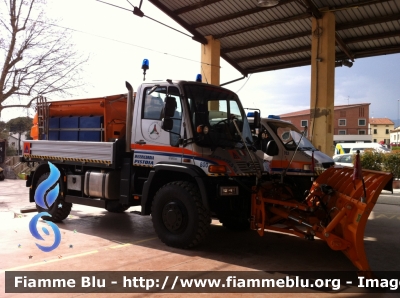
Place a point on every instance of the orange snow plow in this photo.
(335, 210)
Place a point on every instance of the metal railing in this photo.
(13, 168)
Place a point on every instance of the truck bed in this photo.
(72, 152)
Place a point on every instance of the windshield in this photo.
(217, 108)
(290, 136)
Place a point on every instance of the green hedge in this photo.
(391, 163)
(372, 160)
(388, 162)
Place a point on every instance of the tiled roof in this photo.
(307, 112)
(297, 113)
(385, 121)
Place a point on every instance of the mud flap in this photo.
(336, 210)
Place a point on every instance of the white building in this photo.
(13, 140)
(395, 137)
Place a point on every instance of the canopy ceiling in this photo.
(257, 39)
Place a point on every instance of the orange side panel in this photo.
(35, 132)
(112, 108)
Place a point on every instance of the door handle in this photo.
(141, 142)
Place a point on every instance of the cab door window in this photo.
(177, 118)
(153, 104)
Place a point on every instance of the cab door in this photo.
(152, 142)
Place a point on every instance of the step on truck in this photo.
(183, 151)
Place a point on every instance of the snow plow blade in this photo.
(336, 210)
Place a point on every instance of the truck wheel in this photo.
(59, 210)
(178, 215)
(116, 207)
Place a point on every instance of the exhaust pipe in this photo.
(129, 118)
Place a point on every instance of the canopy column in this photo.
(210, 63)
(321, 129)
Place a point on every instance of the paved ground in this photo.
(93, 239)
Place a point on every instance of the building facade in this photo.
(380, 129)
(351, 122)
(395, 137)
(16, 141)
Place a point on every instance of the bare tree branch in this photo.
(36, 57)
(28, 105)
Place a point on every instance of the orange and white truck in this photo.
(175, 148)
(183, 151)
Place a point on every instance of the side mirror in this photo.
(167, 124)
(272, 148)
(169, 107)
(257, 119)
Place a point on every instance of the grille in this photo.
(248, 167)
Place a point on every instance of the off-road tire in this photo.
(179, 216)
(57, 213)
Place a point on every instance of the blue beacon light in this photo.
(145, 66)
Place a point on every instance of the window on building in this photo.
(304, 123)
(387, 131)
(375, 141)
(342, 132)
(361, 132)
(375, 131)
(362, 122)
(342, 122)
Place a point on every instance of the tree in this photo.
(3, 125)
(3, 130)
(36, 56)
(20, 124)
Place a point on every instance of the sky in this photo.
(117, 41)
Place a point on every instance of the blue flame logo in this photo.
(40, 194)
(46, 200)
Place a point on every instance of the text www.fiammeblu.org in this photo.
(177, 283)
(233, 282)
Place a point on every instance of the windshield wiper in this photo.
(295, 151)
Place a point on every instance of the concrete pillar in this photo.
(210, 65)
(321, 129)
